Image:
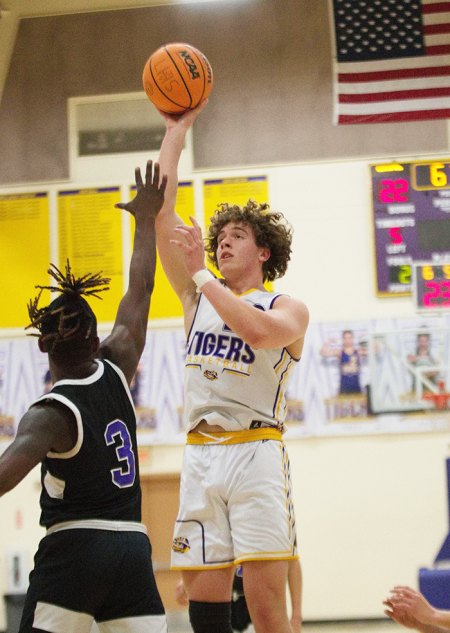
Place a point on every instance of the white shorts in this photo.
(235, 501)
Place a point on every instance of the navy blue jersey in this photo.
(350, 367)
(99, 477)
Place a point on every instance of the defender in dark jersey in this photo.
(95, 561)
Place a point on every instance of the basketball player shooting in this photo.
(242, 342)
(94, 561)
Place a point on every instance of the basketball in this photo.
(177, 77)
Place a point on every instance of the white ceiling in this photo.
(33, 8)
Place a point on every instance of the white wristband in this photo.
(201, 277)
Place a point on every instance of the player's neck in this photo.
(241, 285)
(74, 371)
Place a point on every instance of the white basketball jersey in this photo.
(227, 382)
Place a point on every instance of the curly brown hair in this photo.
(270, 228)
(69, 317)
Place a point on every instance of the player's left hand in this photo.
(191, 245)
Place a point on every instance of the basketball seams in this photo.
(174, 62)
(156, 84)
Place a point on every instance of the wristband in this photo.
(201, 277)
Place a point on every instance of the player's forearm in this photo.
(169, 157)
(15, 464)
(430, 628)
(143, 259)
(439, 618)
(257, 328)
(126, 343)
(8, 479)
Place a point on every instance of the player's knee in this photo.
(210, 616)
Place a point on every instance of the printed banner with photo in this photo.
(362, 377)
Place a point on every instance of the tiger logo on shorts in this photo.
(181, 545)
(210, 374)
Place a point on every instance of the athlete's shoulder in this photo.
(283, 299)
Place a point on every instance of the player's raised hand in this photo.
(184, 120)
(149, 194)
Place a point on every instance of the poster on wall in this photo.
(165, 303)
(23, 376)
(234, 191)
(90, 236)
(377, 376)
(410, 367)
(24, 234)
(157, 388)
(354, 378)
(331, 380)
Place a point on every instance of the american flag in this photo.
(392, 60)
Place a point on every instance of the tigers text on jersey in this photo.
(226, 381)
(99, 477)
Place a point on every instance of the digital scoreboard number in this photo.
(411, 212)
(431, 286)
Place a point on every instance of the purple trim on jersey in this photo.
(279, 387)
(283, 349)
(275, 298)
(282, 294)
(195, 316)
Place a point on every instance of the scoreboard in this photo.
(431, 286)
(411, 214)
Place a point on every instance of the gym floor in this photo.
(178, 623)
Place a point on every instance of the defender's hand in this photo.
(149, 195)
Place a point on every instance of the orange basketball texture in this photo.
(177, 77)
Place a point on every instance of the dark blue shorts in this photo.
(89, 574)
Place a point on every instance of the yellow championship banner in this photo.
(233, 191)
(164, 302)
(90, 236)
(24, 253)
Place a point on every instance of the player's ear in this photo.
(95, 344)
(42, 346)
(264, 254)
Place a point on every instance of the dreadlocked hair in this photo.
(68, 320)
(270, 228)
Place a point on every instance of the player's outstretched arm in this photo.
(177, 127)
(126, 342)
(406, 611)
(45, 427)
(407, 604)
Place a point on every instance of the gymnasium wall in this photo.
(370, 509)
(272, 101)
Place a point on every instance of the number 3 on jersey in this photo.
(117, 433)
